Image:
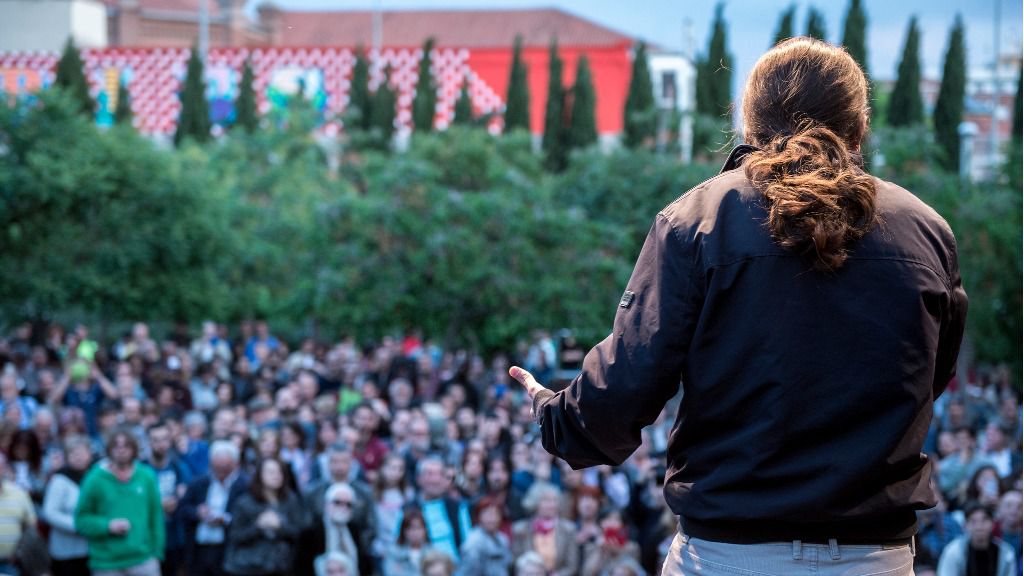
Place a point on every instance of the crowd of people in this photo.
(232, 452)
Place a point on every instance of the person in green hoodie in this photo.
(119, 512)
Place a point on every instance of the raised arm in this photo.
(108, 388)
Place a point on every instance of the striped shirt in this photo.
(16, 512)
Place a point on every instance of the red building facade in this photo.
(317, 50)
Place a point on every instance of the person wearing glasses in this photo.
(338, 530)
(120, 512)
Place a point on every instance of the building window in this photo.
(668, 87)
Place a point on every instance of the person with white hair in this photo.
(545, 533)
(334, 564)
(337, 530)
(205, 507)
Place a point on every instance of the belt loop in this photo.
(913, 546)
(833, 549)
(798, 550)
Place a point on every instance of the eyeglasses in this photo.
(342, 503)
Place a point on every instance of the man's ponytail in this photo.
(819, 200)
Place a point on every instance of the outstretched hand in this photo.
(526, 379)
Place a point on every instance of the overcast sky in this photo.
(752, 23)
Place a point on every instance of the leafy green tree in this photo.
(905, 104)
(949, 107)
(785, 28)
(424, 103)
(71, 77)
(194, 119)
(583, 121)
(276, 183)
(816, 24)
(246, 115)
(517, 103)
(383, 110)
(358, 112)
(640, 121)
(123, 112)
(463, 106)
(104, 223)
(554, 143)
(855, 34)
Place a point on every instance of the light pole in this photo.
(994, 128)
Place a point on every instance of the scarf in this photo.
(72, 474)
(543, 526)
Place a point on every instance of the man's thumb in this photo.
(521, 376)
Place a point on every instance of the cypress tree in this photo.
(424, 103)
(194, 119)
(358, 112)
(245, 104)
(640, 122)
(719, 67)
(383, 109)
(554, 140)
(815, 24)
(463, 106)
(905, 104)
(703, 97)
(949, 107)
(123, 112)
(583, 121)
(517, 103)
(855, 34)
(785, 28)
(71, 77)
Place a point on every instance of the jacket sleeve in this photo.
(156, 516)
(627, 378)
(243, 522)
(54, 512)
(951, 331)
(190, 502)
(292, 520)
(472, 557)
(90, 521)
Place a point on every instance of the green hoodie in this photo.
(104, 498)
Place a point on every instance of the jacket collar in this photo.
(739, 152)
(736, 156)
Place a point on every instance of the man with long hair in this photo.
(812, 312)
(120, 512)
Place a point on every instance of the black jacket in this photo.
(807, 396)
(195, 496)
(252, 551)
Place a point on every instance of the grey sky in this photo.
(752, 23)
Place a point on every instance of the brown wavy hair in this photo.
(806, 107)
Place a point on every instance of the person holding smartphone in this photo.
(812, 312)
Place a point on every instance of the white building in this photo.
(674, 78)
(45, 25)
